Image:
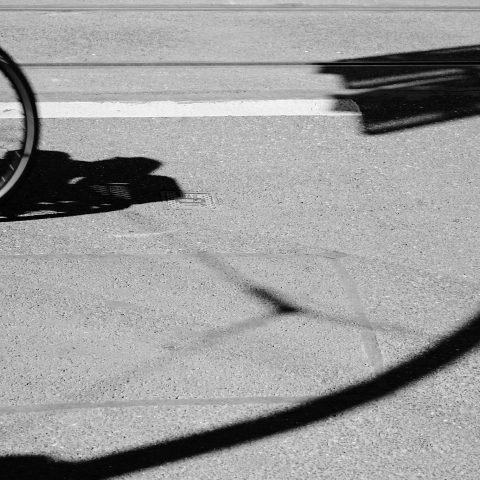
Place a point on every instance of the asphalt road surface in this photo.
(250, 243)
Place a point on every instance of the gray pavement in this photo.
(316, 257)
(219, 36)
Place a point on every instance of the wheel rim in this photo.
(17, 127)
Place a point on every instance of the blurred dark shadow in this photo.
(396, 92)
(60, 186)
(446, 351)
(275, 301)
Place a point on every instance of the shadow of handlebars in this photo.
(400, 91)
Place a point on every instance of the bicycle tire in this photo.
(19, 127)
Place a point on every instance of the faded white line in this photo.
(154, 402)
(369, 339)
(168, 109)
(185, 254)
(141, 234)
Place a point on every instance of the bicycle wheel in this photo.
(19, 126)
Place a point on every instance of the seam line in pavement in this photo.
(209, 7)
(367, 333)
(155, 402)
(211, 64)
(324, 254)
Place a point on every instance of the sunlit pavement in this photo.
(164, 277)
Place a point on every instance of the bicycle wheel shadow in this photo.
(60, 186)
(383, 111)
(445, 352)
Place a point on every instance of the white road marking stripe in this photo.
(229, 108)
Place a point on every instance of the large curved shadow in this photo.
(407, 90)
(60, 186)
(394, 92)
(23, 467)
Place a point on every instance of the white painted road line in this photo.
(229, 108)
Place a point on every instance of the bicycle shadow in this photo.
(391, 97)
(60, 186)
(407, 90)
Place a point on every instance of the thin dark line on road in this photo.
(211, 64)
(288, 8)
